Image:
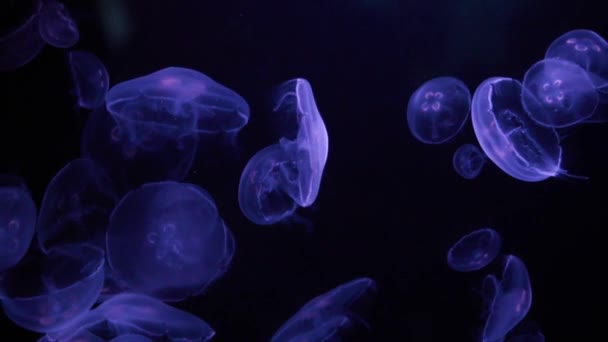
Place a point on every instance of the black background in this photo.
(389, 206)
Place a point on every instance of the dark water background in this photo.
(389, 206)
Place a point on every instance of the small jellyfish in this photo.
(587, 49)
(475, 250)
(56, 25)
(177, 101)
(22, 44)
(262, 193)
(438, 110)
(332, 314)
(76, 206)
(468, 161)
(17, 220)
(135, 314)
(44, 293)
(515, 143)
(511, 302)
(180, 244)
(558, 93)
(90, 77)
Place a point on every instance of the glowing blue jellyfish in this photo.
(179, 243)
(56, 25)
(76, 206)
(128, 314)
(130, 164)
(90, 77)
(262, 195)
(175, 101)
(309, 146)
(558, 93)
(17, 220)
(331, 315)
(21, 45)
(587, 49)
(468, 161)
(475, 250)
(44, 293)
(511, 302)
(438, 110)
(514, 142)
(283, 176)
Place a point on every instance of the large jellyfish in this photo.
(135, 314)
(179, 243)
(514, 142)
(283, 176)
(175, 101)
(511, 301)
(330, 316)
(558, 93)
(44, 293)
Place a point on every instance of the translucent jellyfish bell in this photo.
(21, 45)
(178, 100)
(90, 77)
(475, 250)
(558, 93)
(587, 49)
(512, 300)
(132, 313)
(514, 142)
(438, 110)
(294, 100)
(131, 163)
(329, 315)
(179, 243)
(468, 161)
(262, 193)
(56, 25)
(17, 220)
(76, 206)
(44, 293)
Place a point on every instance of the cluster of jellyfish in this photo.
(119, 234)
(518, 123)
(506, 301)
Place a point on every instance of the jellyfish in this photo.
(128, 314)
(511, 302)
(468, 161)
(330, 315)
(56, 25)
(76, 206)
(17, 220)
(558, 93)
(509, 138)
(22, 44)
(475, 250)
(309, 146)
(587, 49)
(438, 110)
(175, 101)
(128, 163)
(283, 176)
(44, 293)
(180, 244)
(262, 196)
(90, 77)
